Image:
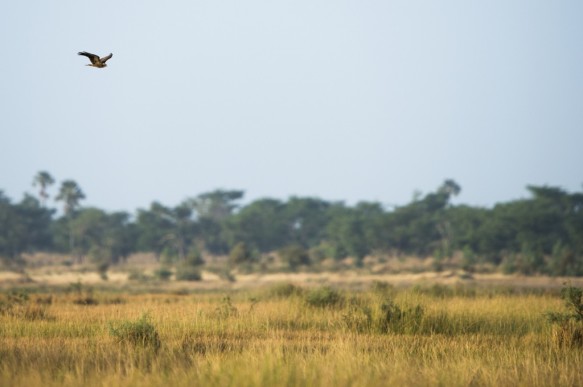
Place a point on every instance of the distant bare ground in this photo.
(59, 270)
(348, 279)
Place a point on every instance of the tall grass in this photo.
(277, 337)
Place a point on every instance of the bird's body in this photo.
(96, 61)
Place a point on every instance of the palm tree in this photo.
(43, 179)
(70, 194)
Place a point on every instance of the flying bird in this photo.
(95, 60)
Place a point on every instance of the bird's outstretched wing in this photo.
(92, 57)
(106, 58)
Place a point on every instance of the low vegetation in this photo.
(293, 335)
(568, 329)
(141, 333)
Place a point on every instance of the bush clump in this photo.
(568, 326)
(324, 297)
(240, 254)
(397, 319)
(294, 256)
(140, 333)
(188, 273)
(163, 274)
(386, 317)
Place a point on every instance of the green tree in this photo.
(183, 230)
(152, 226)
(43, 179)
(70, 194)
(23, 227)
(466, 222)
(294, 256)
(37, 220)
(261, 225)
(165, 229)
(346, 232)
(217, 205)
(105, 238)
(422, 227)
(538, 234)
(212, 211)
(306, 220)
(450, 188)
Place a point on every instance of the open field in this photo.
(347, 279)
(275, 333)
(46, 270)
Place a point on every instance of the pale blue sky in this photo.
(343, 100)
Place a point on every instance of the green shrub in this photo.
(194, 257)
(188, 273)
(163, 274)
(240, 254)
(102, 267)
(86, 299)
(396, 319)
(324, 297)
(140, 333)
(358, 317)
(568, 326)
(294, 256)
(386, 317)
(44, 300)
(321, 252)
(573, 301)
(573, 298)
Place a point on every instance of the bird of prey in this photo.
(95, 60)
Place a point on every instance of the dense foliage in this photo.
(540, 234)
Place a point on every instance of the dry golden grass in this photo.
(271, 336)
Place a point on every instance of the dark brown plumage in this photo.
(95, 60)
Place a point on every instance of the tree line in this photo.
(542, 234)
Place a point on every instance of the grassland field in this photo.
(325, 329)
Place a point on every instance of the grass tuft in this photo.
(140, 333)
(324, 297)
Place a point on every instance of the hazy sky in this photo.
(343, 100)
